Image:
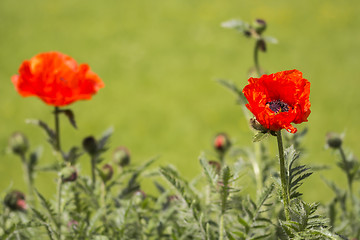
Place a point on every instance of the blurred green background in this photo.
(159, 61)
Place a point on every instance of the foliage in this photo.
(112, 203)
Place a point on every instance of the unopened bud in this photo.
(15, 200)
(259, 26)
(121, 156)
(139, 196)
(106, 172)
(90, 145)
(334, 140)
(18, 143)
(69, 174)
(222, 143)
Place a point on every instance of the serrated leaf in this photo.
(232, 87)
(263, 236)
(209, 171)
(260, 136)
(272, 40)
(49, 208)
(244, 223)
(49, 132)
(70, 115)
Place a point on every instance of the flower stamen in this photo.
(278, 106)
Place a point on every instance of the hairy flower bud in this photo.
(222, 143)
(121, 156)
(69, 174)
(334, 140)
(259, 26)
(15, 200)
(90, 145)
(18, 143)
(106, 172)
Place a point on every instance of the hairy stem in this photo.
(57, 129)
(284, 184)
(27, 177)
(256, 58)
(221, 227)
(348, 175)
(59, 188)
(93, 168)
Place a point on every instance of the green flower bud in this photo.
(121, 156)
(106, 172)
(18, 143)
(90, 145)
(259, 26)
(334, 140)
(15, 200)
(69, 174)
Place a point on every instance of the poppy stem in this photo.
(348, 174)
(57, 129)
(93, 168)
(28, 178)
(59, 205)
(283, 177)
(256, 58)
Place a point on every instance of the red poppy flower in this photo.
(56, 79)
(279, 99)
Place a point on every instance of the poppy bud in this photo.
(139, 196)
(106, 172)
(15, 200)
(18, 143)
(222, 143)
(259, 25)
(90, 145)
(121, 156)
(334, 140)
(69, 174)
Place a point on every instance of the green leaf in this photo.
(272, 40)
(209, 171)
(49, 208)
(43, 221)
(70, 115)
(244, 223)
(260, 136)
(232, 87)
(50, 132)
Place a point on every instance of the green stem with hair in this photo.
(347, 170)
(221, 227)
(57, 129)
(256, 58)
(59, 204)
(27, 177)
(284, 183)
(93, 169)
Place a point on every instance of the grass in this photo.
(159, 60)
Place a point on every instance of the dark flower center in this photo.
(278, 106)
